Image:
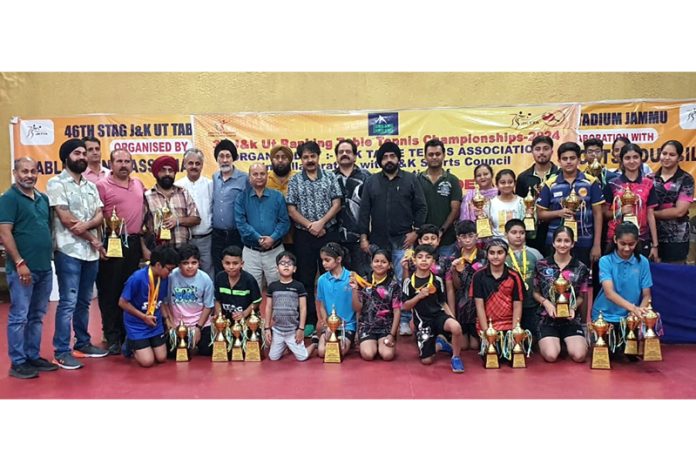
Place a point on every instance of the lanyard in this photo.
(431, 281)
(376, 283)
(152, 292)
(516, 264)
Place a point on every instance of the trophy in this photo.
(519, 335)
(529, 203)
(572, 202)
(237, 354)
(332, 353)
(113, 248)
(595, 169)
(600, 351)
(491, 336)
(182, 348)
(220, 343)
(483, 224)
(632, 322)
(163, 214)
(252, 348)
(561, 286)
(651, 350)
(628, 204)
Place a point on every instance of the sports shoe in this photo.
(405, 329)
(23, 371)
(41, 364)
(67, 361)
(90, 351)
(126, 351)
(114, 349)
(308, 330)
(444, 345)
(457, 365)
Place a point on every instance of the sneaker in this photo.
(67, 361)
(444, 345)
(457, 365)
(315, 339)
(90, 351)
(405, 329)
(308, 330)
(126, 350)
(41, 364)
(114, 349)
(23, 371)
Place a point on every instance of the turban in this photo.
(226, 144)
(387, 147)
(68, 146)
(162, 161)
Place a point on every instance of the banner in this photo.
(646, 123)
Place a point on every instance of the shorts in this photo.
(560, 328)
(373, 332)
(151, 342)
(350, 335)
(673, 251)
(428, 331)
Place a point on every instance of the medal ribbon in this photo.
(152, 292)
(431, 281)
(516, 264)
(376, 283)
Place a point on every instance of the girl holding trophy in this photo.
(506, 205)
(483, 175)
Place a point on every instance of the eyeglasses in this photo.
(286, 263)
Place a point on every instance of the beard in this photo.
(77, 166)
(165, 182)
(390, 167)
(281, 170)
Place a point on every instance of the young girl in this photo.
(379, 305)
(632, 178)
(625, 278)
(552, 330)
(483, 174)
(675, 192)
(616, 146)
(506, 205)
(334, 292)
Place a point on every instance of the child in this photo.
(286, 306)
(462, 272)
(191, 299)
(506, 205)
(425, 295)
(498, 291)
(147, 288)
(379, 305)
(551, 329)
(523, 259)
(334, 291)
(236, 291)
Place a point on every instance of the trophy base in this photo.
(113, 248)
(653, 352)
(518, 360)
(492, 361)
(237, 354)
(165, 234)
(483, 228)
(633, 219)
(182, 354)
(253, 351)
(332, 353)
(571, 224)
(631, 347)
(220, 351)
(600, 358)
(529, 224)
(562, 311)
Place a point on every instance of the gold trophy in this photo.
(182, 348)
(483, 224)
(632, 322)
(572, 202)
(595, 169)
(332, 353)
(252, 348)
(164, 214)
(114, 248)
(519, 335)
(237, 353)
(628, 204)
(600, 351)
(561, 286)
(652, 350)
(220, 343)
(491, 353)
(529, 203)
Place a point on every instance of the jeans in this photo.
(28, 304)
(205, 245)
(223, 238)
(448, 250)
(75, 284)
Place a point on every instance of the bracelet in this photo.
(199, 327)
(19, 263)
(266, 328)
(300, 328)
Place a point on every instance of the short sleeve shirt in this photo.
(286, 304)
(188, 296)
(547, 271)
(438, 197)
(629, 278)
(313, 198)
(429, 308)
(498, 295)
(678, 188)
(378, 304)
(336, 292)
(643, 188)
(136, 292)
(236, 298)
(526, 271)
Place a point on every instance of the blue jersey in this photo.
(336, 292)
(629, 277)
(136, 292)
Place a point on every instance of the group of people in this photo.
(393, 251)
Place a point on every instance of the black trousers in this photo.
(221, 240)
(307, 249)
(111, 278)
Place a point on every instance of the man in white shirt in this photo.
(201, 190)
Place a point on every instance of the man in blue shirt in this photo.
(261, 217)
(228, 183)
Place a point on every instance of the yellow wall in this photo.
(58, 94)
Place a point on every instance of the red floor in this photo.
(404, 378)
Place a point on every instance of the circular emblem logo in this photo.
(582, 192)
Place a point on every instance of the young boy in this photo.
(236, 291)
(191, 299)
(523, 259)
(146, 289)
(497, 291)
(462, 271)
(425, 294)
(286, 305)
